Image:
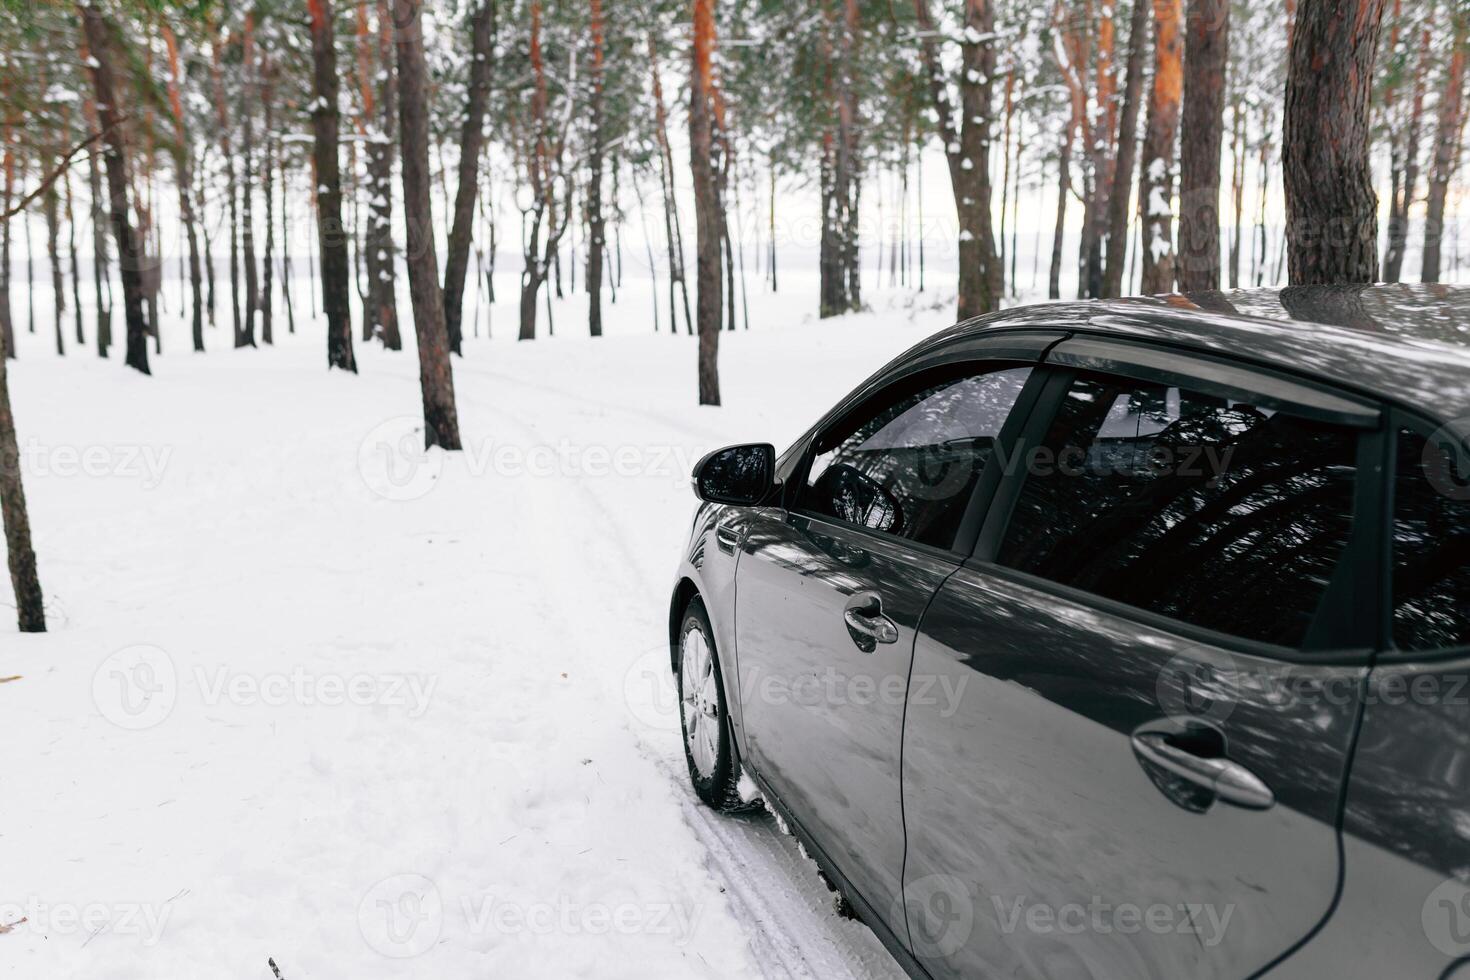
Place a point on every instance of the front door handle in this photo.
(1230, 781)
(866, 623)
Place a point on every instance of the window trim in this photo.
(1006, 352)
(1349, 579)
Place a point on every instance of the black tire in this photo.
(714, 770)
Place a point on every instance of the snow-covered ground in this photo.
(311, 696)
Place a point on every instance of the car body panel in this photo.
(823, 718)
(1030, 796)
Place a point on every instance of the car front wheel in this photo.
(713, 768)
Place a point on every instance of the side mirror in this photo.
(742, 475)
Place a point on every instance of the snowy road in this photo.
(313, 699)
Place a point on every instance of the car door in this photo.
(1158, 647)
(829, 593)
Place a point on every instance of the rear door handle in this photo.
(866, 623)
(1230, 781)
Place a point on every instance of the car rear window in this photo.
(1211, 511)
(1431, 540)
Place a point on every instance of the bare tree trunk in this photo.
(101, 281)
(227, 155)
(1206, 54)
(706, 202)
(471, 140)
(335, 264)
(246, 337)
(1331, 209)
(184, 178)
(24, 581)
(51, 207)
(1156, 172)
(7, 191)
(1118, 198)
(268, 188)
(1104, 152)
(596, 228)
(436, 378)
(129, 249)
(1398, 223)
(673, 232)
(966, 135)
(1064, 190)
(381, 313)
(1446, 151)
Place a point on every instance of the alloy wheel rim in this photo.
(700, 696)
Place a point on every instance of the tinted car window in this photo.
(1217, 513)
(910, 467)
(1431, 540)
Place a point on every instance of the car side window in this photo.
(1214, 512)
(1431, 544)
(909, 465)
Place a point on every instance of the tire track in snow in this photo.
(771, 885)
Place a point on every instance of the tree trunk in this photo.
(471, 140)
(1156, 172)
(381, 313)
(596, 228)
(1331, 209)
(1104, 152)
(967, 150)
(1118, 197)
(101, 280)
(51, 208)
(246, 337)
(268, 188)
(21, 556)
(7, 191)
(227, 155)
(706, 203)
(436, 378)
(129, 249)
(184, 177)
(1398, 224)
(1446, 151)
(673, 233)
(335, 264)
(1064, 190)
(1206, 54)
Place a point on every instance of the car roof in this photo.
(1408, 344)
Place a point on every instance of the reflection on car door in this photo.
(1133, 780)
(829, 596)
